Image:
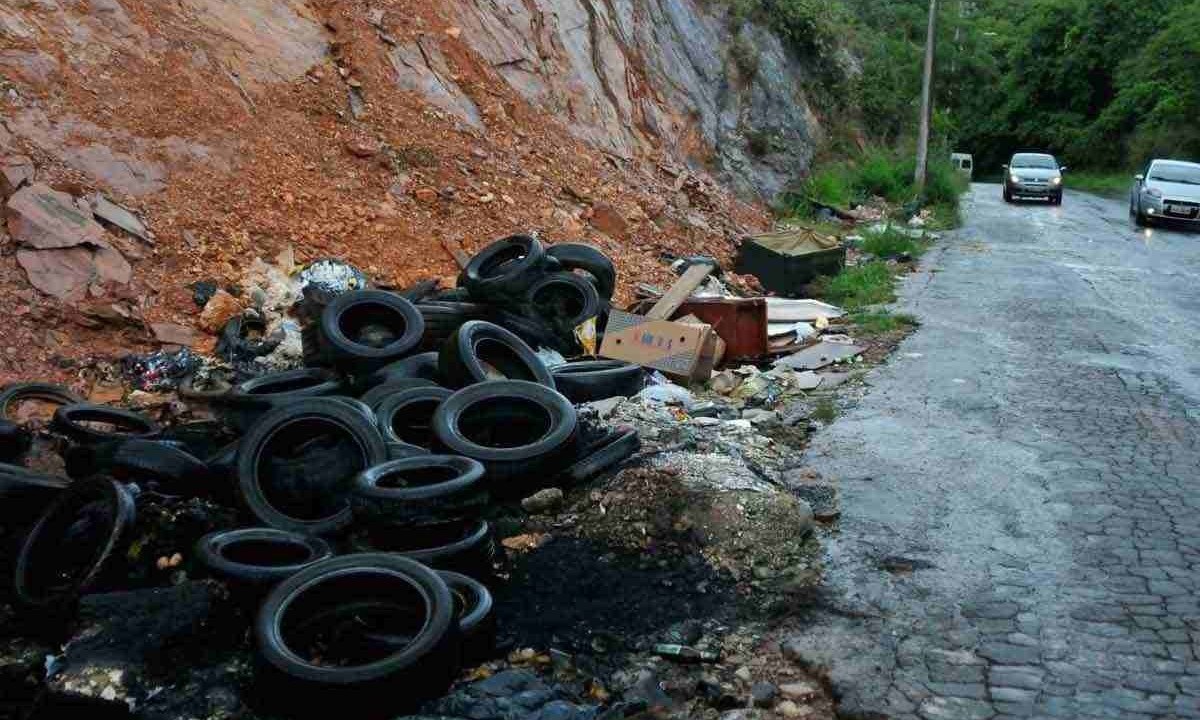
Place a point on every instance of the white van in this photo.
(963, 163)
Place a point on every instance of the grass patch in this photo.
(880, 323)
(945, 217)
(1106, 184)
(892, 242)
(858, 287)
(825, 411)
(882, 173)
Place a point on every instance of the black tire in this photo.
(14, 441)
(223, 464)
(464, 546)
(1139, 218)
(578, 256)
(308, 494)
(24, 494)
(70, 419)
(504, 270)
(402, 450)
(407, 416)
(1058, 199)
(588, 380)
(534, 332)
(1007, 195)
(481, 351)
(379, 393)
(56, 564)
(317, 606)
(364, 409)
(233, 346)
(188, 389)
(422, 366)
(259, 556)
(345, 320)
(621, 446)
(442, 318)
(164, 468)
(518, 430)
(564, 299)
(419, 490)
(252, 399)
(16, 393)
(475, 610)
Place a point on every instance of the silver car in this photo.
(1169, 190)
(1033, 175)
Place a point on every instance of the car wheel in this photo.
(1058, 199)
(1139, 218)
(1007, 195)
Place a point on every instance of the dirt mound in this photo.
(239, 129)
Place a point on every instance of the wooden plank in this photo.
(679, 292)
(456, 252)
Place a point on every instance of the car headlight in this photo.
(1154, 192)
(1056, 181)
(1014, 178)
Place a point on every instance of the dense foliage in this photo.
(1104, 84)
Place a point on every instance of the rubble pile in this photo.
(350, 459)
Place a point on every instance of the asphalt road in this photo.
(1020, 532)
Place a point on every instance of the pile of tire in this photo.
(541, 294)
(365, 485)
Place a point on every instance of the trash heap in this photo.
(342, 505)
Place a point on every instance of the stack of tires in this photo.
(365, 482)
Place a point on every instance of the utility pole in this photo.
(926, 102)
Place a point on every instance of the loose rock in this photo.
(542, 501)
(42, 218)
(762, 693)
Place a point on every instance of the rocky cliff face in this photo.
(371, 130)
(630, 74)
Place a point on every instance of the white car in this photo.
(1169, 190)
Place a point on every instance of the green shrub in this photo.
(745, 57)
(891, 243)
(858, 287)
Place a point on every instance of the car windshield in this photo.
(1045, 162)
(1185, 174)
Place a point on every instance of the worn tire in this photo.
(481, 351)
(164, 468)
(16, 393)
(100, 507)
(350, 313)
(534, 331)
(438, 488)
(14, 441)
(402, 450)
(305, 501)
(379, 393)
(69, 420)
(259, 556)
(407, 416)
(588, 380)
(464, 546)
(565, 298)
(381, 682)
(476, 616)
(504, 270)
(578, 256)
(250, 400)
(422, 366)
(518, 430)
(622, 445)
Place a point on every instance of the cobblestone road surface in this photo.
(1021, 486)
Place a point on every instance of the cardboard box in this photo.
(677, 349)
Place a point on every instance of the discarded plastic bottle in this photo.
(683, 653)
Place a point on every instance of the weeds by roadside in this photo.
(825, 411)
(892, 242)
(880, 173)
(881, 322)
(859, 287)
(1106, 184)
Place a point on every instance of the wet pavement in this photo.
(1020, 533)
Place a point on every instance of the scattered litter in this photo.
(820, 355)
(159, 371)
(781, 310)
